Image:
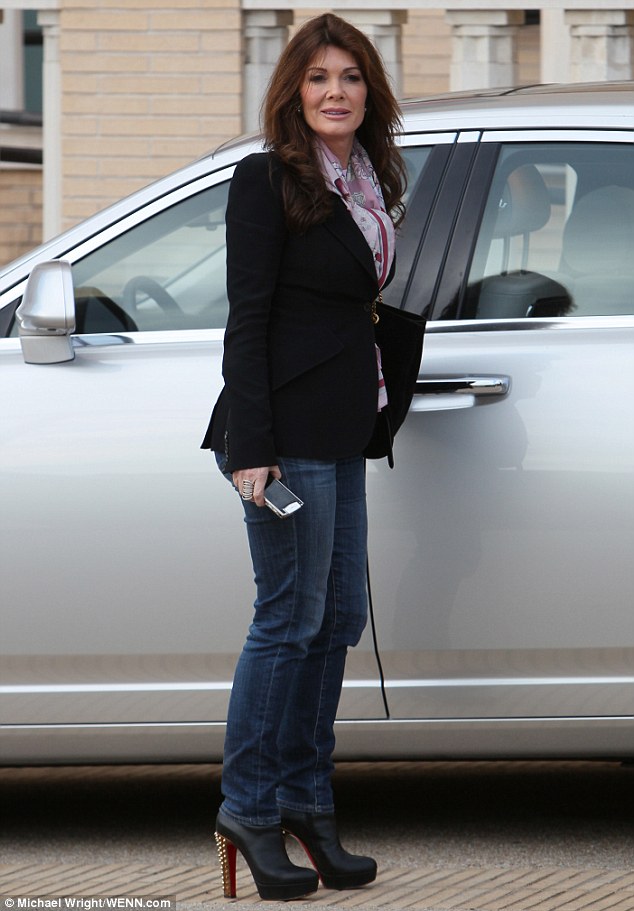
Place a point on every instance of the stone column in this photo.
(384, 28)
(52, 124)
(601, 44)
(484, 52)
(265, 36)
(11, 61)
(554, 46)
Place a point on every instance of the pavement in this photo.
(506, 836)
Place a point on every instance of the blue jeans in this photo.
(311, 605)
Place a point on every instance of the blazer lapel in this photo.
(344, 228)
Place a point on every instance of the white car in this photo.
(500, 546)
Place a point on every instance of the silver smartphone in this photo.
(280, 499)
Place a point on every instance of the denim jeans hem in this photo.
(311, 810)
(248, 820)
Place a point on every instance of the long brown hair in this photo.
(307, 201)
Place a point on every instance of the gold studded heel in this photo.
(227, 857)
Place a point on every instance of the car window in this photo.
(557, 234)
(168, 272)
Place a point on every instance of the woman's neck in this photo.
(342, 150)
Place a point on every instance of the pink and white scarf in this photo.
(361, 192)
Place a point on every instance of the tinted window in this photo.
(168, 272)
(557, 234)
(415, 158)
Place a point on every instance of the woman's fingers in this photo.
(250, 482)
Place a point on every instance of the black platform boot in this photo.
(276, 878)
(317, 834)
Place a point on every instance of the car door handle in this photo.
(442, 393)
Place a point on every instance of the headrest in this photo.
(599, 233)
(524, 205)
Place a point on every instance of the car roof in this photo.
(546, 106)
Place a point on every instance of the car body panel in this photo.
(517, 597)
(119, 578)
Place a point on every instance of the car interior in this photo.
(557, 236)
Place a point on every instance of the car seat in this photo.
(95, 312)
(597, 259)
(524, 207)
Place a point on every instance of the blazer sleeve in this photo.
(256, 235)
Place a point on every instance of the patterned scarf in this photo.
(361, 192)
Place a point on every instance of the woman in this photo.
(310, 242)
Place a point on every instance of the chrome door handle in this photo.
(442, 393)
(457, 385)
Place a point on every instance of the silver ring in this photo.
(247, 489)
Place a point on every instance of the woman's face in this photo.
(333, 97)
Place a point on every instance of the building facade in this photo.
(133, 89)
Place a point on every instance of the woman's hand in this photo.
(256, 476)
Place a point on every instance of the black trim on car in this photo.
(455, 269)
(425, 277)
(414, 230)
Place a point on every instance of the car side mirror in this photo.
(46, 316)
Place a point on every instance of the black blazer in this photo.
(299, 360)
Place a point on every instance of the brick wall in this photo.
(147, 85)
(20, 211)
(426, 53)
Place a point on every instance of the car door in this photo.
(501, 543)
(127, 588)
(115, 617)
